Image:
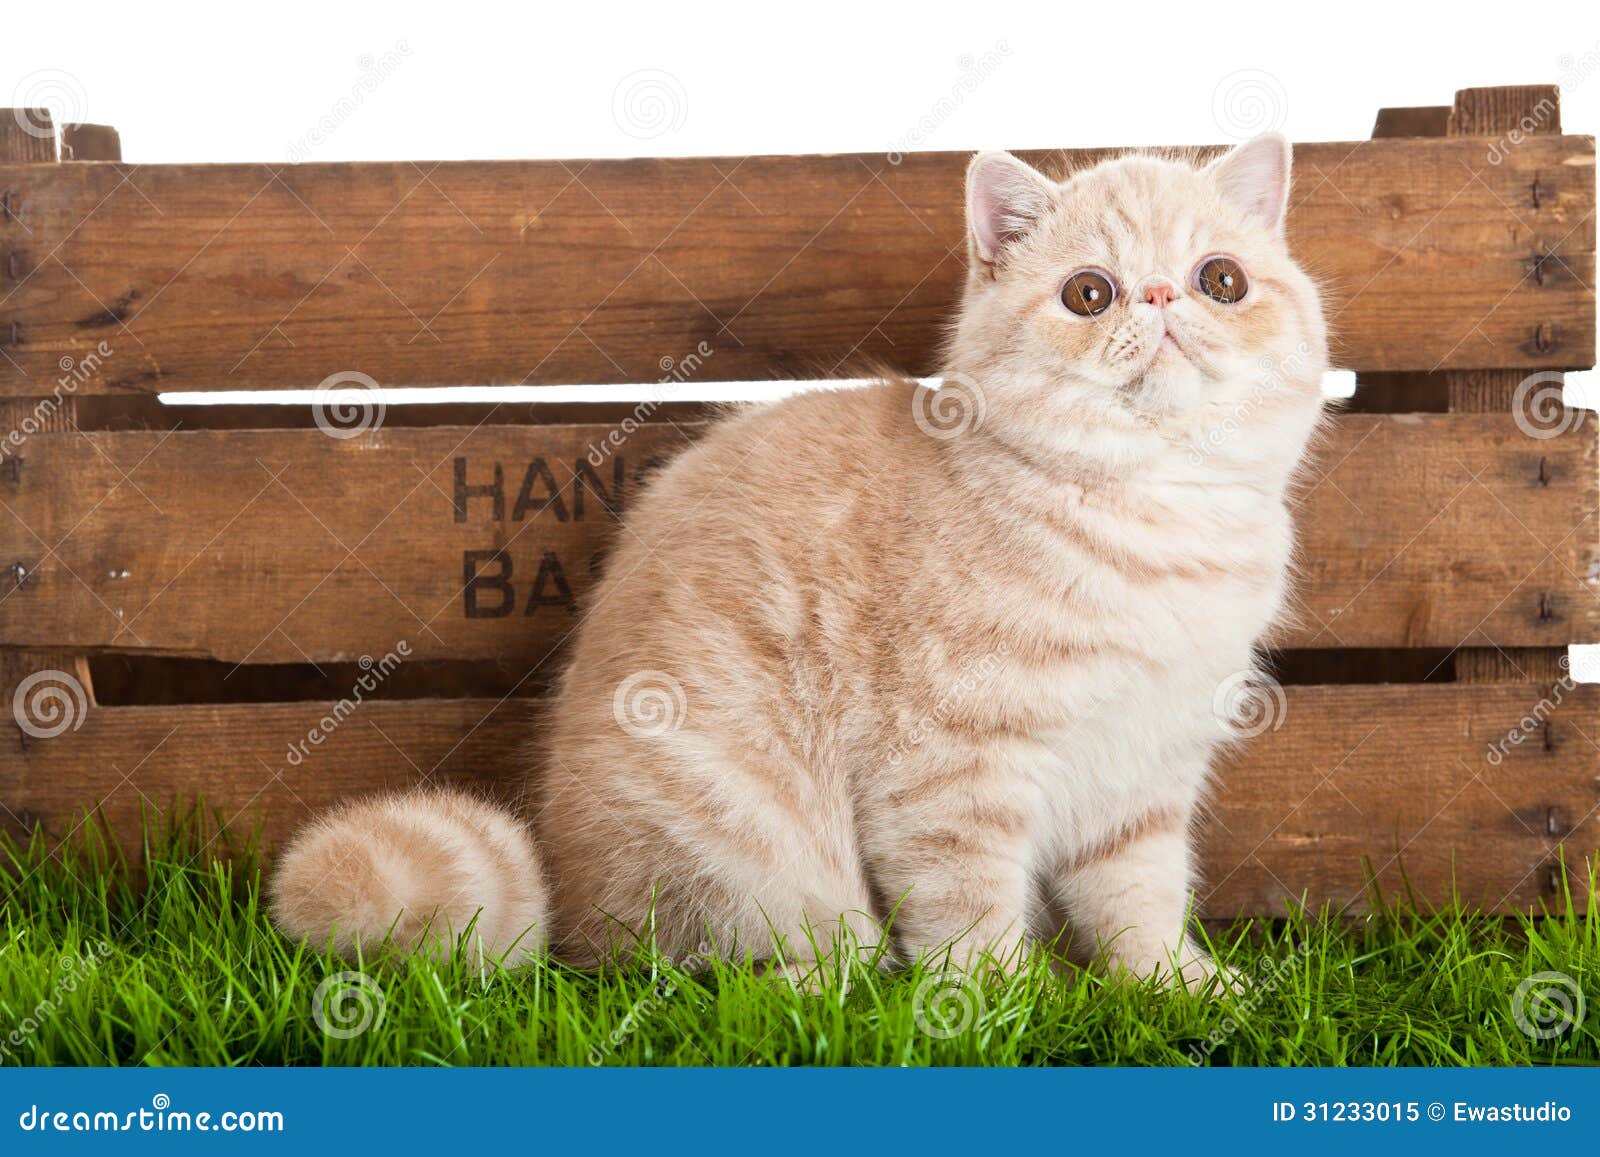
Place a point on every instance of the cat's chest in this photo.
(1131, 727)
(1145, 618)
(1186, 586)
(1146, 748)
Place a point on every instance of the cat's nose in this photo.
(1158, 294)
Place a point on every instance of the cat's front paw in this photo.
(806, 977)
(1190, 970)
(1200, 974)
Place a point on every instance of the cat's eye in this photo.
(1088, 293)
(1221, 279)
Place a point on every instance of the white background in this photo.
(231, 82)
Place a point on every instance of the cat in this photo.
(948, 658)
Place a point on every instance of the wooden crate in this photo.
(203, 578)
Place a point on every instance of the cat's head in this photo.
(1144, 291)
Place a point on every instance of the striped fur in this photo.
(430, 868)
(845, 662)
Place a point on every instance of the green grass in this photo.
(187, 970)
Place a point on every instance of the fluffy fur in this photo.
(952, 656)
(427, 869)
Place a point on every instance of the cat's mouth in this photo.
(1172, 372)
(1167, 348)
(1173, 343)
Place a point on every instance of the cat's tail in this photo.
(419, 867)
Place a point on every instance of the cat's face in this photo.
(1148, 289)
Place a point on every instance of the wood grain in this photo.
(1413, 121)
(125, 762)
(211, 277)
(1509, 112)
(1507, 117)
(293, 546)
(1386, 779)
(1415, 786)
(28, 135)
(84, 142)
(1503, 120)
(1421, 530)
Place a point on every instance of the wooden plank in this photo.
(1509, 112)
(1504, 120)
(1416, 121)
(81, 142)
(1507, 117)
(27, 136)
(1422, 530)
(50, 682)
(126, 762)
(1420, 782)
(237, 276)
(289, 546)
(1510, 664)
(1406, 393)
(43, 693)
(1402, 777)
(292, 546)
(1413, 392)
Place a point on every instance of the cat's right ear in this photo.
(1006, 198)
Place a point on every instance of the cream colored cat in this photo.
(949, 654)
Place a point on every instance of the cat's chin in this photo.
(1170, 389)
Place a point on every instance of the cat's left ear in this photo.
(1006, 198)
(1255, 177)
